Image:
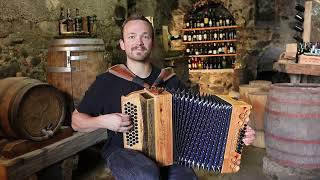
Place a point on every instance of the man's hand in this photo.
(249, 136)
(117, 122)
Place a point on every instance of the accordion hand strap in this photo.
(122, 71)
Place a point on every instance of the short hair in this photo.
(137, 17)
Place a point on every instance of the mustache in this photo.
(139, 47)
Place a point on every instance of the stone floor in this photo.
(91, 167)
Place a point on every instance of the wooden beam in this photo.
(295, 68)
(311, 24)
(32, 162)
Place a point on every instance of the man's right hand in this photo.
(117, 122)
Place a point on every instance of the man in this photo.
(101, 107)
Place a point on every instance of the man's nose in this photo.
(139, 41)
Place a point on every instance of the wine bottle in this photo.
(62, 22)
(298, 28)
(299, 7)
(299, 17)
(77, 21)
(70, 22)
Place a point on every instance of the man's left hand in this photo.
(249, 136)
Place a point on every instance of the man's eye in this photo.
(131, 37)
(146, 37)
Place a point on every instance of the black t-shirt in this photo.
(104, 97)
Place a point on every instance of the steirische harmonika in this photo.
(186, 128)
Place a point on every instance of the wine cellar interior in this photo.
(263, 52)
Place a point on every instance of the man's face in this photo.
(137, 40)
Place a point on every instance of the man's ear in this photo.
(122, 44)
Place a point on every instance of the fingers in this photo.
(249, 136)
(125, 128)
(124, 116)
(125, 123)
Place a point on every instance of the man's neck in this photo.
(140, 68)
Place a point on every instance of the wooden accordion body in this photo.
(151, 114)
(189, 129)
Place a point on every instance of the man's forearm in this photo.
(84, 123)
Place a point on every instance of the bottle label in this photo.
(206, 20)
(205, 36)
(189, 38)
(185, 37)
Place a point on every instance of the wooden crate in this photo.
(303, 59)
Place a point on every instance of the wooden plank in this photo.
(165, 35)
(30, 163)
(163, 128)
(307, 21)
(311, 22)
(22, 146)
(295, 68)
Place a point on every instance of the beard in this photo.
(139, 53)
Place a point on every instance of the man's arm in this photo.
(115, 121)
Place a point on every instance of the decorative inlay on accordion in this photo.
(183, 127)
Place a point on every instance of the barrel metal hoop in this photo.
(78, 58)
(61, 69)
(287, 101)
(77, 41)
(79, 48)
(294, 115)
(270, 135)
(293, 164)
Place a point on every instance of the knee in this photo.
(146, 171)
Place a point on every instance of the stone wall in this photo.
(213, 82)
(28, 26)
(256, 34)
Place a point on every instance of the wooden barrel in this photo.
(264, 84)
(292, 125)
(73, 65)
(245, 89)
(240, 76)
(30, 109)
(258, 101)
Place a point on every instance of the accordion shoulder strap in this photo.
(120, 70)
(164, 75)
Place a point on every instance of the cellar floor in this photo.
(91, 167)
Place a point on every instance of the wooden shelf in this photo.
(212, 41)
(212, 55)
(296, 68)
(211, 28)
(211, 71)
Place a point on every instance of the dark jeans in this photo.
(128, 164)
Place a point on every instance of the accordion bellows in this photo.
(183, 127)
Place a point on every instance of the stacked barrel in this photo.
(30, 109)
(255, 93)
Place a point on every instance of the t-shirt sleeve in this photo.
(91, 102)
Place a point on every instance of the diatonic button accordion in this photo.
(200, 131)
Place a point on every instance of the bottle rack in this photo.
(210, 38)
